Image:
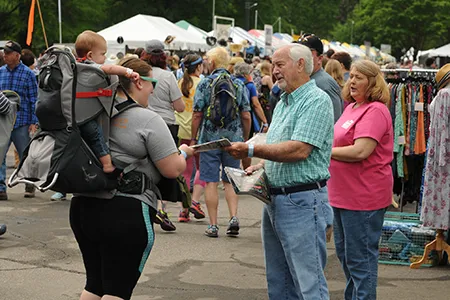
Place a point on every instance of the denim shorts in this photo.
(210, 163)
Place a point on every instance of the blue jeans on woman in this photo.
(356, 237)
(294, 239)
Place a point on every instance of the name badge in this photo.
(347, 124)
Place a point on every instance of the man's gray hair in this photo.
(298, 51)
(242, 69)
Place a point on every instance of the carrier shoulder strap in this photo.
(123, 106)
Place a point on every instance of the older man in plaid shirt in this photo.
(297, 154)
(17, 77)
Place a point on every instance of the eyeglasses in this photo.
(152, 80)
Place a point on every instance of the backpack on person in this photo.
(7, 121)
(223, 108)
(69, 95)
(257, 80)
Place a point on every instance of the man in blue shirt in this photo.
(17, 77)
(236, 131)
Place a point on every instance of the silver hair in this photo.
(298, 51)
(242, 69)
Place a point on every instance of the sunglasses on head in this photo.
(152, 80)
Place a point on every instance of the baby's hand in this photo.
(135, 76)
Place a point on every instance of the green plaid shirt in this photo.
(305, 115)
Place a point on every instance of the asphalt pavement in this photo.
(39, 258)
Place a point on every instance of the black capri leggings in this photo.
(115, 237)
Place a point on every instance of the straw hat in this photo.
(443, 76)
(235, 47)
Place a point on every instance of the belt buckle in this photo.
(283, 190)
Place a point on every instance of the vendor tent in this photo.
(136, 30)
(443, 51)
(192, 29)
(276, 42)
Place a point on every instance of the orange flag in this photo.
(31, 23)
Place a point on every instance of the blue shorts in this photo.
(210, 163)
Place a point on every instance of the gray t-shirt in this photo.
(135, 134)
(326, 83)
(165, 93)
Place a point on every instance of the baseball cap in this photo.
(311, 41)
(154, 46)
(11, 46)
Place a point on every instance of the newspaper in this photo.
(214, 145)
(258, 139)
(254, 184)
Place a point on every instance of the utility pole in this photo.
(256, 19)
(60, 21)
(213, 14)
(247, 15)
(248, 6)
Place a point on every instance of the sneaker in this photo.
(29, 191)
(163, 220)
(196, 209)
(3, 195)
(233, 227)
(212, 231)
(58, 197)
(183, 217)
(2, 229)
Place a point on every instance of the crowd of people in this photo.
(327, 157)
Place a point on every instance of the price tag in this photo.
(401, 140)
(418, 106)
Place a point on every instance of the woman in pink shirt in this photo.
(361, 183)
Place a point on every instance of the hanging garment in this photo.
(436, 190)
(399, 134)
(407, 101)
(419, 145)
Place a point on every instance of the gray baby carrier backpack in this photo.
(69, 95)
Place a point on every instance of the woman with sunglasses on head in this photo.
(115, 230)
(193, 68)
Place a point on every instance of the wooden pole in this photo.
(42, 23)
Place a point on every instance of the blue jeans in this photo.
(294, 239)
(356, 236)
(20, 137)
(93, 136)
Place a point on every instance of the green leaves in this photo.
(422, 24)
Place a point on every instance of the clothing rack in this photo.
(409, 70)
(426, 76)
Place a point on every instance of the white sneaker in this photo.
(58, 197)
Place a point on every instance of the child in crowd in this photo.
(91, 48)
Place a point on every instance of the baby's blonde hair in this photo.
(87, 41)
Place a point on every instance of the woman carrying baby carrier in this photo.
(116, 235)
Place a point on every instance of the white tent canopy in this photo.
(443, 51)
(136, 30)
(192, 29)
(238, 35)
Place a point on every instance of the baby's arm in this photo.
(119, 70)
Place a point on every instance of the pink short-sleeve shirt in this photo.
(367, 184)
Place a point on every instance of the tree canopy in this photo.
(422, 24)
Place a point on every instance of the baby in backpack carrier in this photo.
(91, 48)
